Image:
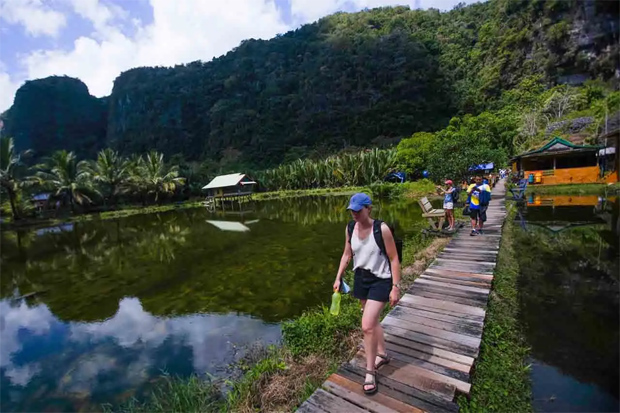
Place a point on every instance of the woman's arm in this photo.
(344, 260)
(390, 248)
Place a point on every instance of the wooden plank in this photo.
(460, 328)
(395, 350)
(484, 291)
(461, 268)
(399, 391)
(469, 263)
(457, 250)
(333, 404)
(473, 257)
(418, 377)
(447, 318)
(446, 311)
(425, 293)
(488, 254)
(312, 405)
(432, 351)
(456, 273)
(423, 382)
(423, 364)
(432, 341)
(463, 339)
(383, 400)
(447, 292)
(308, 407)
(355, 395)
(444, 304)
(456, 280)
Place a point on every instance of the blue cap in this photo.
(359, 201)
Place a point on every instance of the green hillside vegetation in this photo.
(356, 80)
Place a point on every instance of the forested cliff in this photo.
(350, 79)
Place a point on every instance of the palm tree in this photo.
(69, 178)
(11, 165)
(151, 175)
(111, 171)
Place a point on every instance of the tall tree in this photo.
(151, 175)
(11, 171)
(68, 177)
(111, 172)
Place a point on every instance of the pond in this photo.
(119, 302)
(568, 253)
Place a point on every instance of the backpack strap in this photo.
(350, 228)
(376, 232)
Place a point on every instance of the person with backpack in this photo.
(485, 198)
(376, 264)
(479, 197)
(450, 199)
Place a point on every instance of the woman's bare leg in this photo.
(372, 329)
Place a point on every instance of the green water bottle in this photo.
(335, 308)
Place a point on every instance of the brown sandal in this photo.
(385, 359)
(373, 383)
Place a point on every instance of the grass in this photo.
(501, 380)
(573, 189)
(173, 394)
(290, 193)
(380, 190)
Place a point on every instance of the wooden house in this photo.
(562, 162)
(229, 187)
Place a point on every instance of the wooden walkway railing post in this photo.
(433, 335)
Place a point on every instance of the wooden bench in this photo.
(435, 217)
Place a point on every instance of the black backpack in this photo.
(455, 194)
(376, 232)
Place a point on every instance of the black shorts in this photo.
(370, 287)
(474, 213)
(483, 212)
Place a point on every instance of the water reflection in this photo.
(568, 257)
(112, 303)
(46, 362)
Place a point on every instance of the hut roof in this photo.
(224, 181)
(559, 145)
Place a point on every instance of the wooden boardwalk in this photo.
(433, 335)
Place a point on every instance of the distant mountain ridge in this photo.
(350, 79)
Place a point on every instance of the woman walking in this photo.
(377, 279)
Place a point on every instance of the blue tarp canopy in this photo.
(482, 167)
(400, 176)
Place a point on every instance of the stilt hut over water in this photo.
(231, 187)
(563, 162)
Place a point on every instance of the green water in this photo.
(120, 301)
(569, 303)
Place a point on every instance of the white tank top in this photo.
(367, 255)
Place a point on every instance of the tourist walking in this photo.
(473, 199)
(448, 202)
(377, 279)
(485, 198)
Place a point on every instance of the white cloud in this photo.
(181, 32)
(7, 90)
(37, 18)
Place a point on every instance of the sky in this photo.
(96, 40)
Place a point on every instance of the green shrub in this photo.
(319, 332)
(386, 190)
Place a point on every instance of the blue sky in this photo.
(95, 40)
